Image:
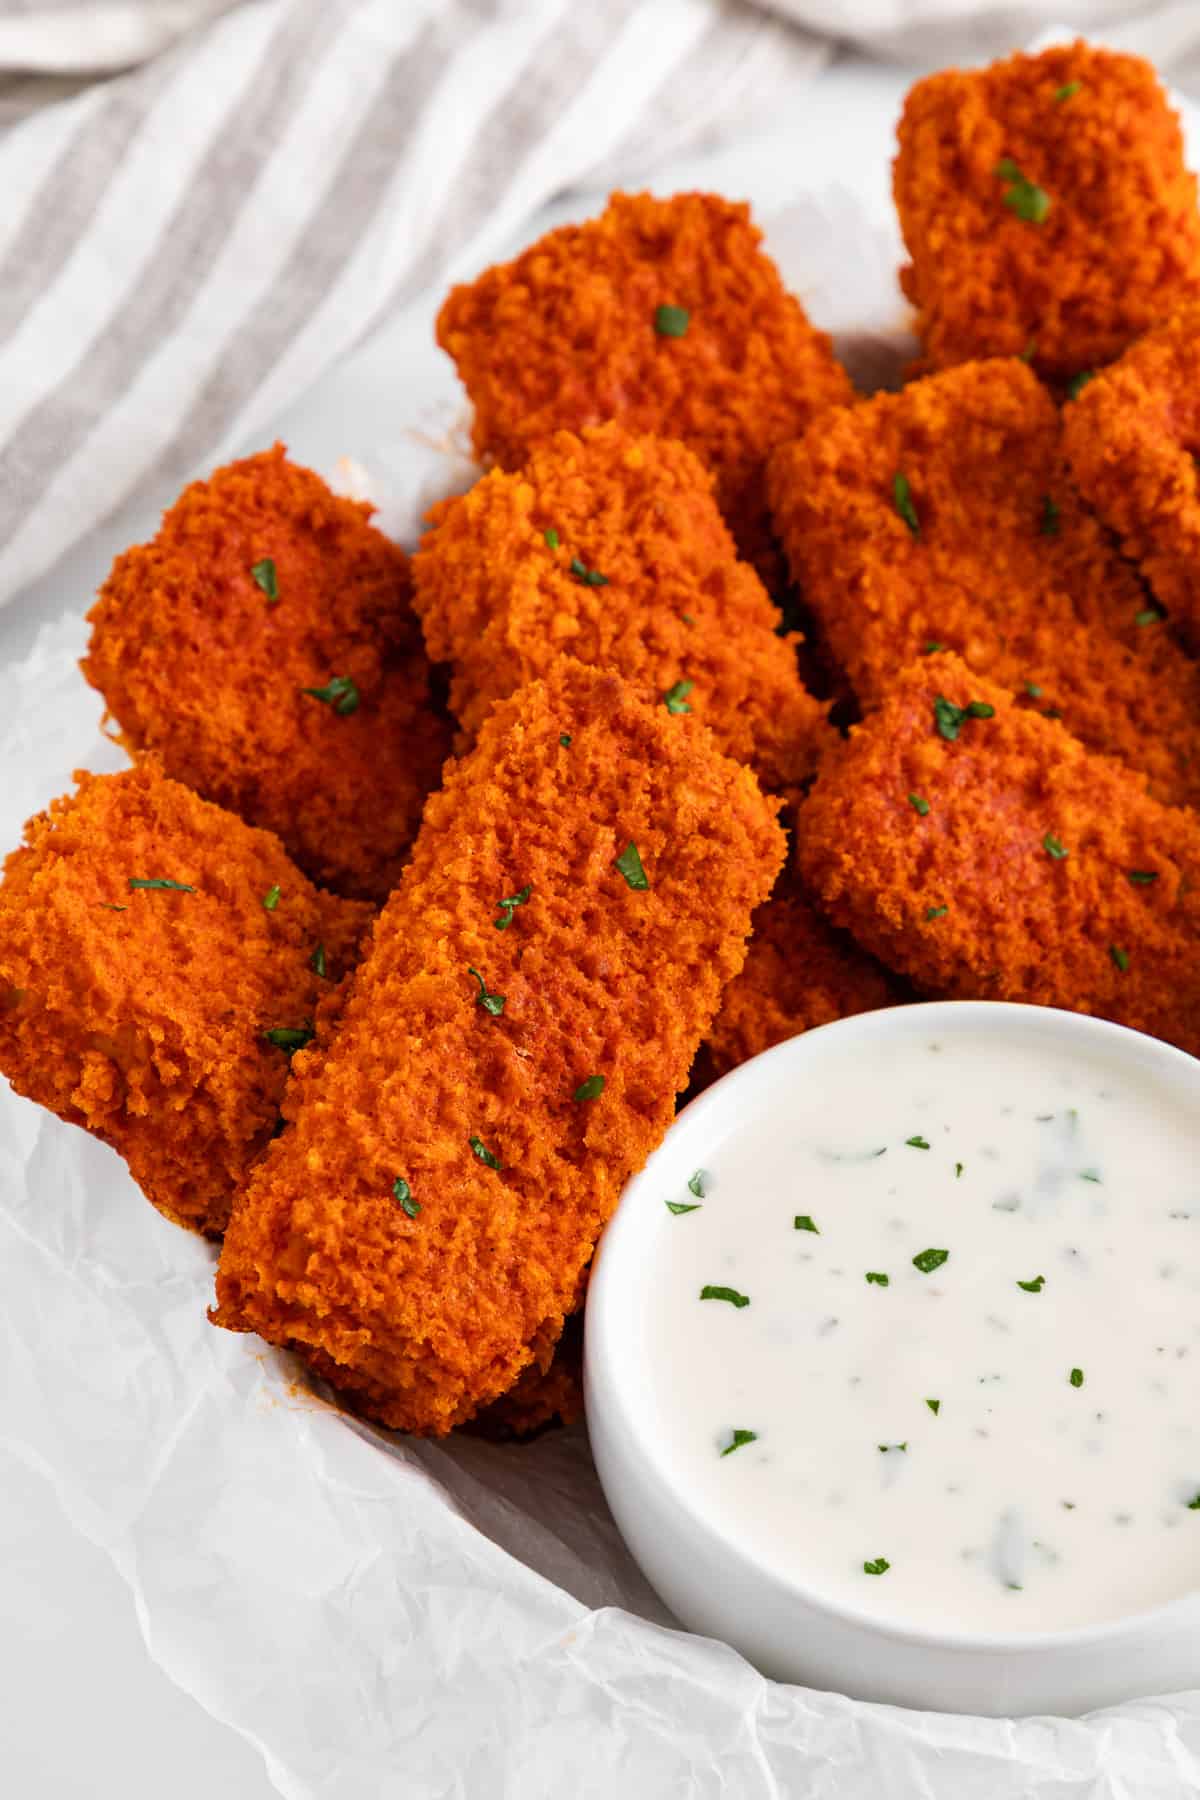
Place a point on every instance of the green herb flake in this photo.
(270, 899)
(1054, 847)
(671, 321)
(903, 502)
(682, 1206)
(949, 718)
(509, 906)
(1149, 615)
(919, 806)
(175, 887)
(630, 865)
(565, 740)
(1119, 956)
(737, 1440)
(804, 1222)
(1033, 690)
(877, 1278)
(929, 1260)
(1141, 877)
(676, 697)
(696, 1184)
(886, 1449)
(917, 1143)
(591, 1089)
(935, 912)
(552, 538)
(317, 964)
(403, 1193)
(708, 1292)
(485, 1155)
(932, 648)
(1051, 513)
(491, 1003)
(1021, 195)
(111, 906)
(1090, 1175)
(1078, 382)
(1193, 1505)
(264, 574)
(289, 1037)
(879, 1566)
(1067, 92)
(1051, 712)
(935, 1407)
(1076, 1377)
(1033, 1287)
(585, 576)
(1029, 352)
(340, 692)
(958, 1169)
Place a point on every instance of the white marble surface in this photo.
(84, 1710)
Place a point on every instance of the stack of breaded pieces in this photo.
(396, 999)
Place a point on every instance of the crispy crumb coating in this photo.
(425, 1319)
(498, 602)
(1009, 568)
(139, 1013)
(1022, 922)
(1132, 437)
(198, 664)
(564, 337)
(541, 1397)
(799, 972)
(1119, 248)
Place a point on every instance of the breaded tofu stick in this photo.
(159, 961)
(265, 647)
(1046, 209)
(1131, 436)
(943, 515)
(509, 1052)
(610, 546)
(985, 853)
(799, 972)
(663, 314)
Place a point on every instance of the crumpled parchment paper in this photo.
(382, 1616)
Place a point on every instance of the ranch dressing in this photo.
(947, 1371)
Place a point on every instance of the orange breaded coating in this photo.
(1045, 207)
(799, 972)
(263, 583)
(997, 560)
(1007, 863)
(148, 940)
(610, 547)
(1132, 436)
(573, 333)
(603, 892)
(541, 1397)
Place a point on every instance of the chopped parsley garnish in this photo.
(491, 1003)
(1054, 847)
(270, 899)
(1068, 90)
(1033, 690)
(630, 864)
(935, 912)
(316, 962)
(1076, 1377)
(1033, 1287)
(929, 1260)
(886, 1448)
(340, 692)
(289, 1037)
(403, 1193)
(1089, 1175)
(484, 1154)
(804, 1222)
(949, 718)
(879, 1566)
(1194, 1504)
(671, 321)
(676, 697)
(696, 1184)
(1050, 516)
(958, 1169)
(509, 906)
(565, 740)
(918, 805)
(1078, 382)
(1119, 956)
(552, 538)
(935, 1407)
(176, 887)
(264, 574)
(1142, 877)
(591, 1089)
(932, 648)
(877, 1278)
(917, 1143)
(111, 906)
(585, 576)
(682, 1206)
(708, 1292)
(1149, 615)
(737, 1440)
(903, 500)
(1021, 195)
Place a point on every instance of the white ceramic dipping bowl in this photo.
(711, 1577)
